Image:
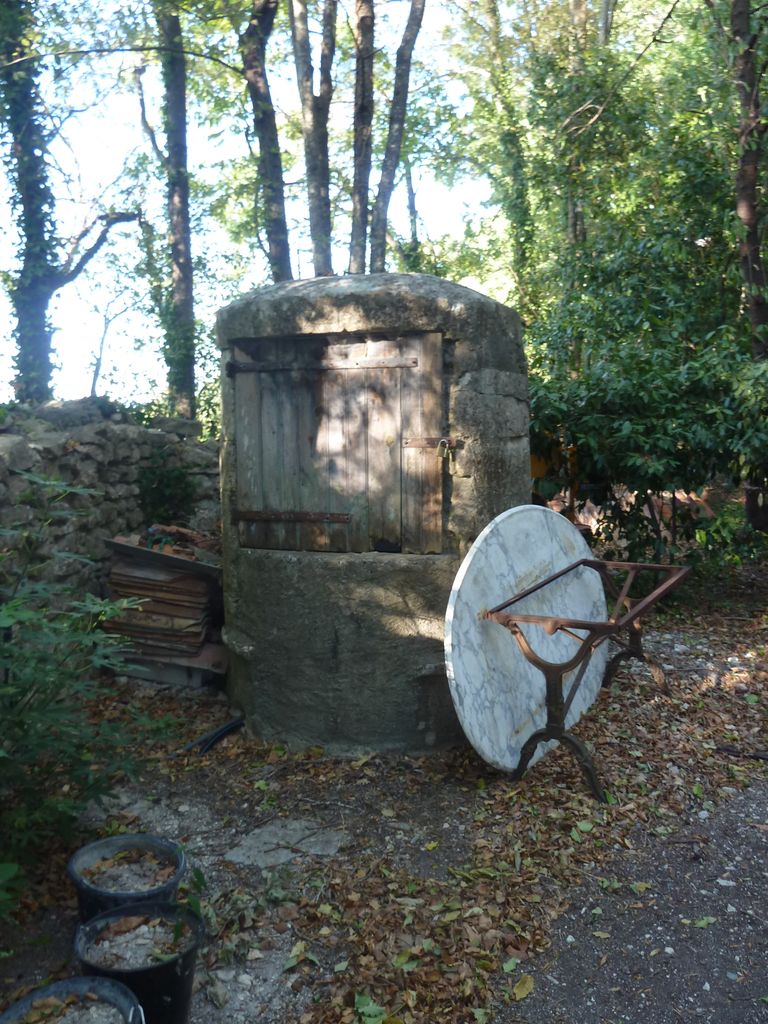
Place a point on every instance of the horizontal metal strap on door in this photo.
(381, 363)
(259, 516)
(429, 442)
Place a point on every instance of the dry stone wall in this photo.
(94, 448)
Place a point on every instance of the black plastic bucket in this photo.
(93, 900)
(163, 989)
(105, 989)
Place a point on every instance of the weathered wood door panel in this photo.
(343, 418)
(422, 469)
(321, 425)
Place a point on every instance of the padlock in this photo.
(443, 448)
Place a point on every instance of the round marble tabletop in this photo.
(498, 694)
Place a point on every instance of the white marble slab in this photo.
(498, 694)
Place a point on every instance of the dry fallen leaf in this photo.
(523, 988)
(124, 925)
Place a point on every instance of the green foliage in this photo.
(53, 653)
(208, 409)
(728, 538)
(145, 413)
(639, 351)
(368, 1011)
(750, 390)
(9, 881)
(639, 416)
(192, 890)
(166, 491)
(53, 759)
(208, 398)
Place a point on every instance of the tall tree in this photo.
(176, 308)
(43, 270)
(397, 109)
(253, 50)
(501, 110)
(180, 345)
(317, 87)
(747, 30)
(315, 108)
(362, 119)
(607, 10)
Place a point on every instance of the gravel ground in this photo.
(671, 930)
(674, 931)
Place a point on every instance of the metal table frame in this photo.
(625, 616)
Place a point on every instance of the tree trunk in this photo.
(362, 121)
(31, 296)
(756, 504)
(397, 112)
(578, 28)
(253, 46)
(33, 202)
(576, 230)
(413, 218)
(575, 224)
(512, 183)
(314, 120)
(605, 24)
(749, 173)
(750, 211)
(179, 349)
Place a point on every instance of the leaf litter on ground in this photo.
(442, 934)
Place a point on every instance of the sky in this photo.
(87, 160)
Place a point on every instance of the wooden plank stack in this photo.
(179, 617)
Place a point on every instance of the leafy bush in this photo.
(53, 651)
(8, 888)
(145, 413)
(650, 419)
(728, 538)
(53, 758)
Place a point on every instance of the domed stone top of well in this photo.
(379, 302)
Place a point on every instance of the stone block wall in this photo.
(104, 454)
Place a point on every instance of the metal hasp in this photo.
(626, 615)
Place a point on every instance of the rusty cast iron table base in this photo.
(626, 615)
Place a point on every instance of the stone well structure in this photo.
(373, 425)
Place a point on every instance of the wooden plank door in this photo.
(321, 425)
(281, 445)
